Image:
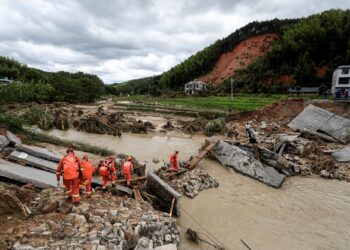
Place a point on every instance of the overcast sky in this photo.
(125, 39)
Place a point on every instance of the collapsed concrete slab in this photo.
(3, 142)
(23, 174)
(342, 155)
(46, 165)
(315, 120)
(40, 152)
(270, 158)
(13, 139)
(164, 193)
(27, 159)
(243, 162)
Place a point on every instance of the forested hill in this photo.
(305, 54)
(30, 84)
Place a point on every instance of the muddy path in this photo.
(306, 213)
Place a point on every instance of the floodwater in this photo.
(144, 147)
(306, 213)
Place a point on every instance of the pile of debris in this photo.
(310, 142)
(192, 182)
(102, 222)
(188, 180)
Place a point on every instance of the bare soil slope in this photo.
(241, 56)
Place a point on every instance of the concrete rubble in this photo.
(168, 198)
(13, 139)
(245, 163)
(192, 182)
(342, 155)
(23, 174)
(110, 223)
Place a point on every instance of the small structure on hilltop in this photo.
(304, 90)
(194, 87)
(341, 79)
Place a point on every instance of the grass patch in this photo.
(212, 103)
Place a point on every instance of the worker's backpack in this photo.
(104, 169)
(70, 168)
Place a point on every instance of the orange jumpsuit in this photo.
(69, 167)
(87, 170)
(107, 171)
(127, 168)
(173, 160)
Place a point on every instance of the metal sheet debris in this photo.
(315, 119)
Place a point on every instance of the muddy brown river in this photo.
(306, 213)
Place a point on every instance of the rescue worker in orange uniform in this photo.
(173, 161)
(69, 168)
(128, 168)
(87, 172)
(107, 171)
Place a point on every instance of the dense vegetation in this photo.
(147, 85)
(319, 41)
(306, 47)
(30, 84)
(203, 61)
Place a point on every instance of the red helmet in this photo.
(70, 150)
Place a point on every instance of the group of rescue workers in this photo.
(77, 174)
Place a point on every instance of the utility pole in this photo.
(231, 80)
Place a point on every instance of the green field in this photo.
(239, 102)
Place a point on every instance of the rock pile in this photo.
(101, 222)
(192, 182)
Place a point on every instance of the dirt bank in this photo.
(240, 57)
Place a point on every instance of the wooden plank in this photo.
(196, 159)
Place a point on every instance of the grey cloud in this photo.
(121, 39)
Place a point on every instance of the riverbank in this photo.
(307, 212)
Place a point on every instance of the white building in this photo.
(341, 79)
(194, 87)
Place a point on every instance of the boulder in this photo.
(144, 244)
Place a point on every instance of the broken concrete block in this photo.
(40, 152)
(27, 159)
(342, 155)
(243, 162)
(13, 139)
(3, 142)
(23, 174)
(164, 193)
